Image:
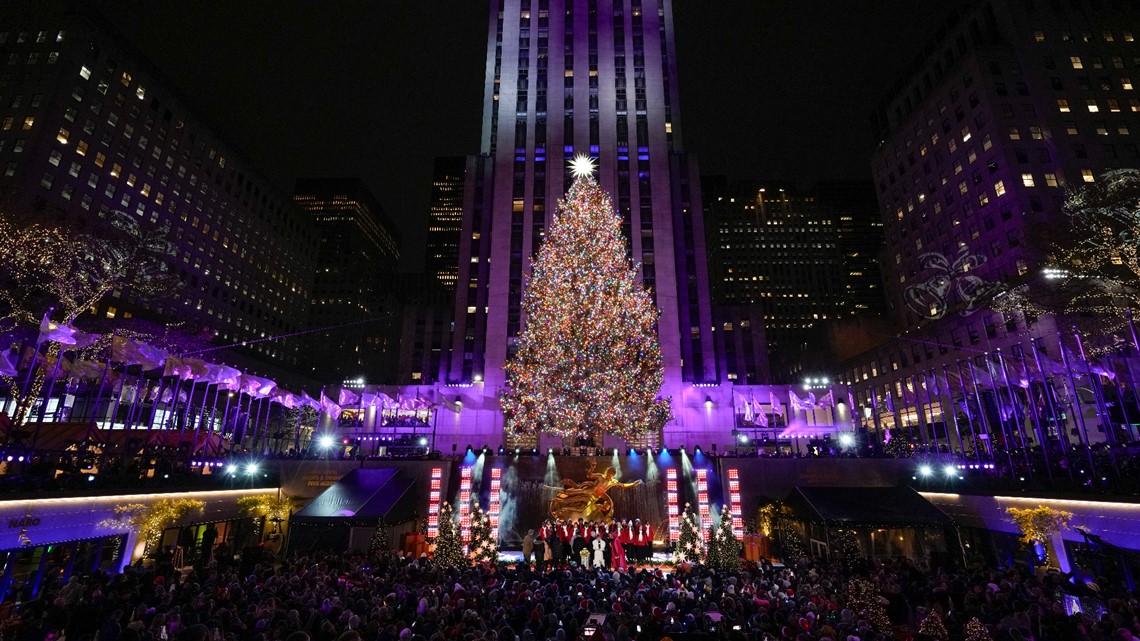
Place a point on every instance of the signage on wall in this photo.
(26, 521)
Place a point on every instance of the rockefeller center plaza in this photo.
(435, 321)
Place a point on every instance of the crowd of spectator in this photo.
(345, 597)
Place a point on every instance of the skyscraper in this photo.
(88, 126)
(579, 76)
(359, 252)
(1003, 110)
(445, 219)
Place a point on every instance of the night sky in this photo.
(377, 89)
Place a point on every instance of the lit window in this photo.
(111, 311)
(999, 188)
(1014, 134)
(140, 92)
(1087, 175)
(62, 136)
(1027, 180)
(29, 122)
(1051, 180)
(1035, 133)
(55, 157)
(1126, 84)
(1063, 105)
(81, 148)
(1123, 130)
(100, 159)
(965, 134)
(1108, 36)
(1093, 107)
(125, 79)
(1076, 60)
(1127, 35)
(1039, 36)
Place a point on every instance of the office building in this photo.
(566, 77)
(354, 318)
(445, 219)
(1009, 105)
(88, 126)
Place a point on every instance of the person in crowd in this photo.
(528, 547)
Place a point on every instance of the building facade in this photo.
(566, 77)
(445, 219)
(1010, 104)
(351, 300)
(88, 127)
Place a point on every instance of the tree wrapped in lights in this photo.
(1039, 524)
(588, 359)
(150, 521)
(381, 539)
(933, 627)
(728, 547)
(690, 545)
(1091, 258)
(863, 599)
(484, 548)
(975, 630)
(448, 548)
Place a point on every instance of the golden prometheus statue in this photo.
(588, 500)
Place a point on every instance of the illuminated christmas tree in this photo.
(728, 548)
(690, 546)
(932, 626)
(588, 359)
(484, 547)
(863, 598)
(448, 549)
(976, 631)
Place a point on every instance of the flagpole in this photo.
(47, 397)
(49, 388)
(154, 411)
(1119, 389)
(986, 418)
(1039, 431)
(1047, 391)
(199, 418)
(26, 387)
(186, 415)
(921, 414)
(875, 414)
(1018, 425)
(945, 391)
(1102, 409)
(297, 429)
(969, 416)
(1076, 403)
(129, 419)
(225, 418)
(930, 407)
(213, 413)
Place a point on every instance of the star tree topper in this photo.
(582, 166)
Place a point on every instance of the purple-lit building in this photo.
(566, 77)
(1010, 104)
(88, 126)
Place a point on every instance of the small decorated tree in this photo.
(791, 542)
(932, 626)
(448, 548)
(484, 547)
(899, 444)
(712, 548)
(849, 547)
(976, 631)
(728, 546)
(381, 539)
(1039, 524)
(689, 546)
(863, 599)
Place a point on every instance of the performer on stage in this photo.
(599, 551)
(618, 553)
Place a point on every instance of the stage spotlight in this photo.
(325, 442)
(846, 439)
(949, 470)
(487, 450)
(517, 451)
(925, 470)
(534, 450)
(423, 441)
(251, 469)
(698, 450)
(231, 469)
(743, 438)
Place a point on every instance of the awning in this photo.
(864, 506)
(362, 497)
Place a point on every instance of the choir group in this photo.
(615, 544)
